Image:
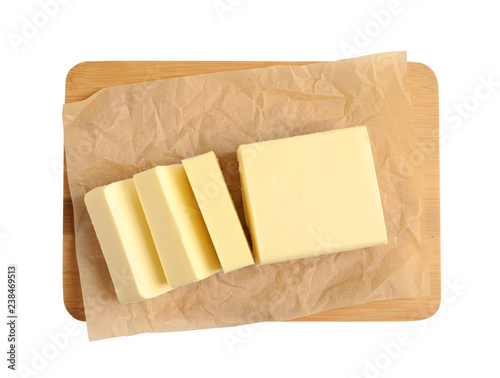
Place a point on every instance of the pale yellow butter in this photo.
(126, 241)
(219, 213)
(179, 232)
(310, 195)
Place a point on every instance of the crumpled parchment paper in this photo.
(126, 129)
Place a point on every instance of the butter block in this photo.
(179, 232)
(219, 213)
(310, 195)
(126, 242)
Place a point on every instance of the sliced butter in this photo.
(126, 241)
(310, 195)
(219, 213)
(181, 237)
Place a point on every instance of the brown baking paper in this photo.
(122, 130)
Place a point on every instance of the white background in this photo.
(457, 39)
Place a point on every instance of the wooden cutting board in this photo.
(86, 78)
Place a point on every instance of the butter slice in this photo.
(310, 195)
(219, 213)
(179, 232)
(126, 242)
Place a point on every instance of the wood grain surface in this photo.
(86, 78)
